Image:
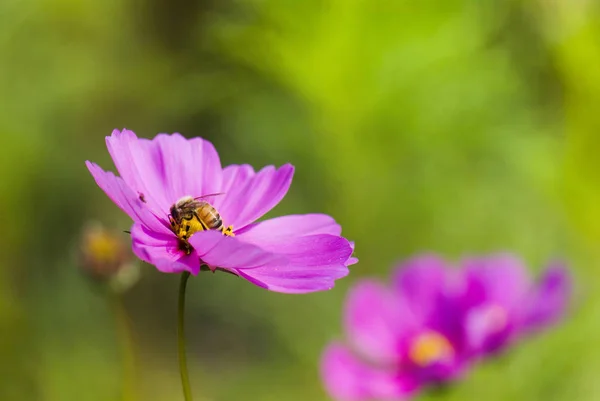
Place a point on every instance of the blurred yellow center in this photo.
(430, 347)
(102, 247)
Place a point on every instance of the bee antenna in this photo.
(207, 195)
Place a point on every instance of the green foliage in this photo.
(454, 126)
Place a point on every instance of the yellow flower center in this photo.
(102, 247)
(430, 347)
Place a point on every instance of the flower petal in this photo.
(162, 251)
(549, 300)
(352, 260)
(166, 168)
(281, 228)
(421, 281)
(487, 329)
(494, 298)
(218, 250)
(314, 263)
(124, 197)
(500, 280)
(348, 379)
(376, 322)
(191, 166)
(136, 165)
(248, 195)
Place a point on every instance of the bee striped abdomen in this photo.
(209, 216)
(217, 223)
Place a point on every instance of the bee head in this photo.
(174, 212)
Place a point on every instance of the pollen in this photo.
(228, 231)
(430, 347)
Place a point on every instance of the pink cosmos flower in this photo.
(400, 337)
(291, 254)
(432, 322)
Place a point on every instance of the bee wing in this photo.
(207, 195)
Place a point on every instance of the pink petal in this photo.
(218, 250)
(501, 279)
(248, 195)
(348, 379)
(314, 263)
(166, 168)
(352, 260)
(126, 199)
(162, 251)
(421, 281)
(375, 322)
(487, 328)
(191, 167)
(134, 162)
(549, 300)
(281, 228)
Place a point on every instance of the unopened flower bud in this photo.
(105, 256)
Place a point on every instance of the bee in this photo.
(190, 215)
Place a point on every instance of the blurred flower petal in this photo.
(550, 298)
(348, 379)
(375, 322)
(421, 281)
(499, 279)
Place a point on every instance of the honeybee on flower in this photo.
(189, 215)
(159, 180)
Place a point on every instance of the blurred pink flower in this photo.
(292, 254)
(502, 303)
(432, 322)
(400, 336)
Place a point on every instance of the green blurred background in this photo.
(460, 126)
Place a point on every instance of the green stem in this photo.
(125, 335)
(185, 380)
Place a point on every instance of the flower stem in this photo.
(185, 380)
(125, 336)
